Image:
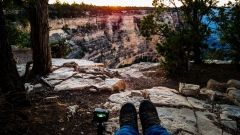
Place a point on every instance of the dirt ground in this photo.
(47, 117)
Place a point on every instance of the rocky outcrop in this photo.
(73, 74)
(136, 70)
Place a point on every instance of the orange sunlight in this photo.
(147, 3)
(142, 3)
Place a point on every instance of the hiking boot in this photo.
(148, 115)
(128, 116)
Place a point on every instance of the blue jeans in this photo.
(153, 130)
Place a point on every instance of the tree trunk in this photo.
(10, 81)
(38, 17)
(197, 54)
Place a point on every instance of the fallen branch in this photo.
(46, 82)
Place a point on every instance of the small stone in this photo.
(216, 85)
(88, 113)
(234, 95)
(28, 87)
(72, 109)
(93, 90)
(38, 85)
(82, 133)
(51, 99)
(62, 129)
(189, 89)
(61, 121)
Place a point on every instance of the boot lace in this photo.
(128, 119)
(150, 119)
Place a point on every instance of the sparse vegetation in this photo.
(60, 48)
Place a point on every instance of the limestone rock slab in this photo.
(206, 126)
(209, 92)
(234, 95)
(124, 97)
(63, 69)
(228, 112)
(112, 84)
(199, 104)
(136, 70)
(54, 82)
(132, 73)
(174, 119)
(74, 84)
(189, 89)
(234, 83)
(145, 66)
(164, 96)
(60, 76)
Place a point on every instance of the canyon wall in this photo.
(116, 44)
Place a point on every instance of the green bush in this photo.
(60, 49)
(174, 52)
(18, 37)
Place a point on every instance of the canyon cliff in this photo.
(114, 40)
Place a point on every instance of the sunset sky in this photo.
(119, 2)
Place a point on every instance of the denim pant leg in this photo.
(126, 130)
(156, 130)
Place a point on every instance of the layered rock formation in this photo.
(113, 40)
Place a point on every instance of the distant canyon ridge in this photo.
(114, 40)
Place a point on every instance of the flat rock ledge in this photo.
(73, 74)
(177, 113)
(77, 74)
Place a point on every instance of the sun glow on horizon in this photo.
(145, 3)
(140, 3)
